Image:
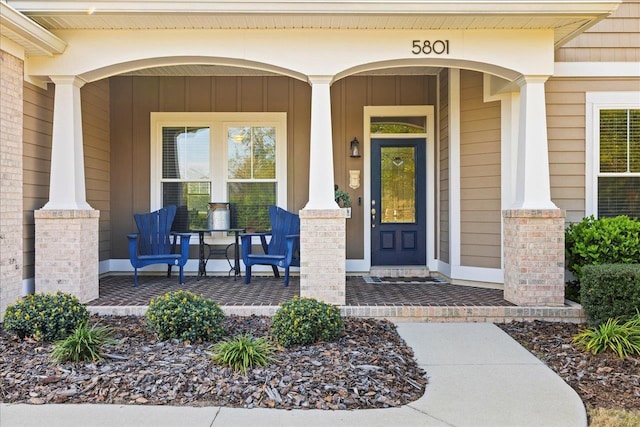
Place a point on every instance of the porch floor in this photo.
(395, 301)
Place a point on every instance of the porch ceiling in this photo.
(566, 18)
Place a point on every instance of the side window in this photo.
(619, 162)
(198, 158)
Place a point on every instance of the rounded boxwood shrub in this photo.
(301, 321)
(46, 317)
(601, 241)
(186, 316)
(610, 291)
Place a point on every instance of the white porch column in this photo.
(533, 189)
(534, 227)
(66, 246)
(322, 222)
(67, 186)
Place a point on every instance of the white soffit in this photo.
(565, 17)
(34, 39)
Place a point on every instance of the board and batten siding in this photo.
(566, 130)
(349, 96)
(443, 182)
(134, 98)
(97, 160)
(614, 39)
(37, 131)
(480, 210)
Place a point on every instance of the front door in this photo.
(398, 201)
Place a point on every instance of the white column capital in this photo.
(68, 80)
(320, 79)
(530, 79)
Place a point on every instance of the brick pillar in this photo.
(11, 244)
(323, 255)
(67, 252)
(534, 256)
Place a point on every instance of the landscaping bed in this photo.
(370, 366)
(601, 381)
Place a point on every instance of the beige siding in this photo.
(95, 134)
(566, 128)
(443, 183)
(38, 125)
(134, 98)
(480, 211)
(616, 38)
(349, 96)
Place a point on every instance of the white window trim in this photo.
(218, 124)
(596, 101)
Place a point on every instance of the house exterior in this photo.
(482, 128)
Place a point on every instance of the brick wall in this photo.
(323, 255)
(11, 72)
(534, 257)
(67, 252)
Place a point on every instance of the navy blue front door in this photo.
(398, 201)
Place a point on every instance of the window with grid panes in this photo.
(213, 157)
(619, 162)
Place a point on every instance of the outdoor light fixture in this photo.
(355, 148)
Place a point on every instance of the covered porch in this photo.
(398, 299)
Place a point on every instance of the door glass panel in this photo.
(398, 184)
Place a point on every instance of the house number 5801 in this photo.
(428, 47)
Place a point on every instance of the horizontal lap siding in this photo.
(97, 161)
(614, 39)
(38, 126)
(566, 129)
(480, 210)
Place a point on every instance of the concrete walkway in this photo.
(478, 376)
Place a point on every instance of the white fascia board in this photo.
(29, 34)
(596, 69)
(560, 7)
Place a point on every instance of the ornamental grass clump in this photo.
(621, 338)
(45, 317)
(243, 352)
(185, 316)
(302, 321)
(83, 345)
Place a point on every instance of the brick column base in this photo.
(534, 257)
(323, 255)
(67, 252)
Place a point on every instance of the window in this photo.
(614, 139)
(200, 158)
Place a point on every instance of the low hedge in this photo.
(610, 291)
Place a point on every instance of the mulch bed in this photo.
(601, 381)
(370, 366)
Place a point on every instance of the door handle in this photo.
(373, 214)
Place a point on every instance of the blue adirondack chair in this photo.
(283, 250)
(155, 243)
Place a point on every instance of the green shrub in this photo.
(243, 352)
(602, 241)
(610, 290)
(186, 316)
(46, 317)
(623, 339)
(83, 345)
(301, 321)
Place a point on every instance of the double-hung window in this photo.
(198, 158)
(613, 138)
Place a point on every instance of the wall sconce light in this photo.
(355, 148)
